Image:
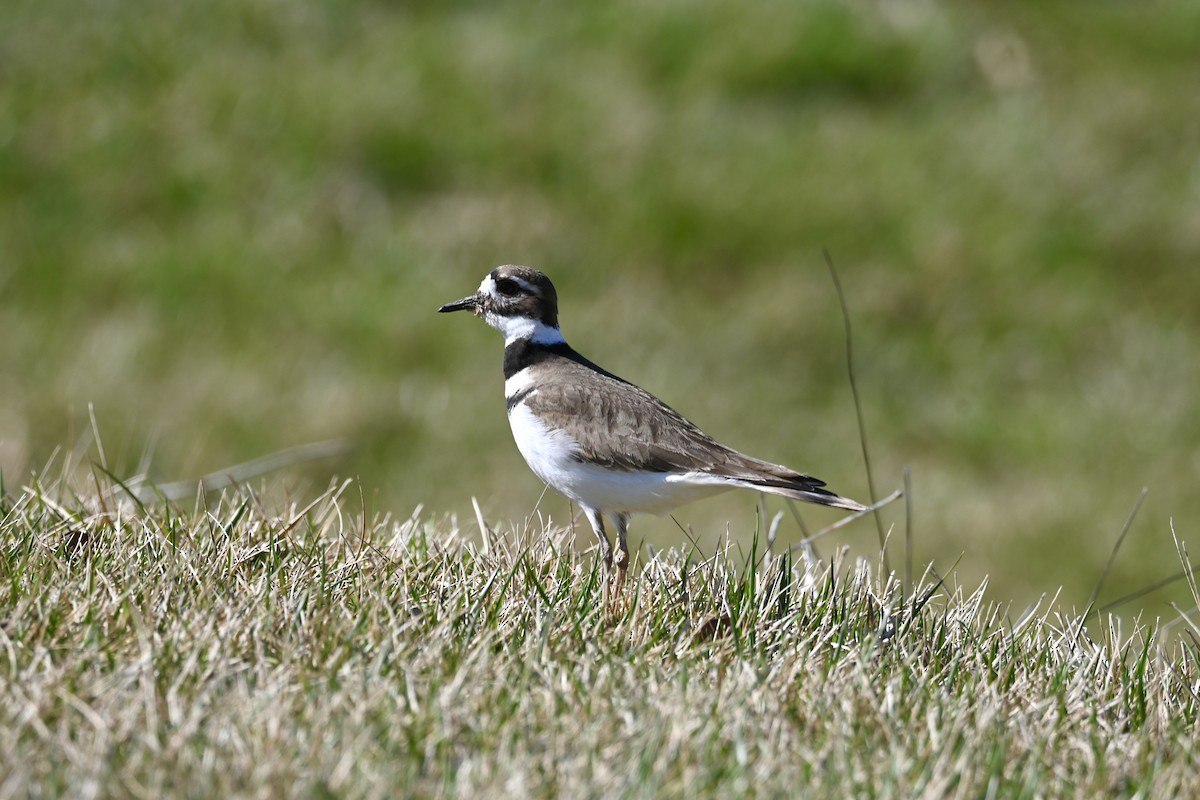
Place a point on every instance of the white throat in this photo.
(517, 328)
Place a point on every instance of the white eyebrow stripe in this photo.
(524, 284)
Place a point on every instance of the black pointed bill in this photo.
(466, 304)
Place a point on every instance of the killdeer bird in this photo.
(610, 446)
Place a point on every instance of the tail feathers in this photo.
(809, 493)
(763, 476)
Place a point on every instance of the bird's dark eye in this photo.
(507, 287)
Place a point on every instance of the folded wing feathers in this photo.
(634, 430)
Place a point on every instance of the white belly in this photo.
(551, 456)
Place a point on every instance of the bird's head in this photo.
(520, 302)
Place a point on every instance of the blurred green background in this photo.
(228, 224)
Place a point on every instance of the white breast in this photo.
(551, 454)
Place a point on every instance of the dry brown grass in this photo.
(249, 648)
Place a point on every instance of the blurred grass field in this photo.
(227, 225)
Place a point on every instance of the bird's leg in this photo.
(597, 521)
(622, 521)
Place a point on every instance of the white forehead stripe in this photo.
(488, 286)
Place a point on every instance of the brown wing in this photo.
(631, 429)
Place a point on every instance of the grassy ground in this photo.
(226, 225)
(240, 649)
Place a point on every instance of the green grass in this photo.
(226, 225)
(240, 648)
